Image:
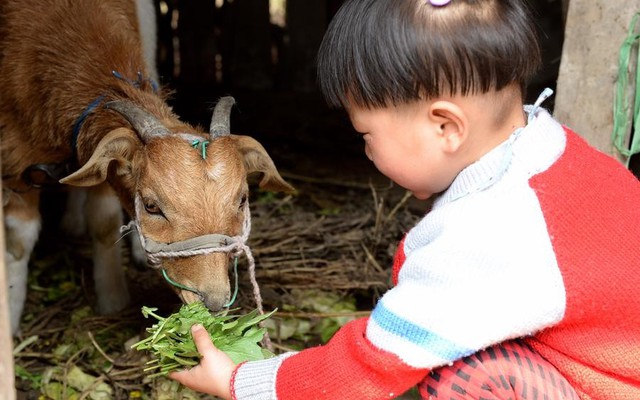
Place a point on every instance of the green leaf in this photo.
(243, 350)
(172, 346)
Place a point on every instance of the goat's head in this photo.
(179, 184)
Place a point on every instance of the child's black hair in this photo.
(378, 53)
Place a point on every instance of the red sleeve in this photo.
(348, 367)
(398, 260)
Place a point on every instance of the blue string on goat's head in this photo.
(203, 147)
(138, 82)
(95, 103)
(78, 124)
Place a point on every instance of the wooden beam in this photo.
(7, 379)
(594, 31)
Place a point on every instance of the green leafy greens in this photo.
(172, 345)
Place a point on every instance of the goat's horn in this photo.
(146, 124)
(220, 125)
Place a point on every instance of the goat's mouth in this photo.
(214, 303)
(189, 297)
(202, 278)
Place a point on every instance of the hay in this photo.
(341, 242)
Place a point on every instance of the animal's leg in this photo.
(73, 221)
(104, 218)
(22, 226)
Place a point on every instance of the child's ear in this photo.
(452, 125)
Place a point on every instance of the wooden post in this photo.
(595, 29)
(7, 379)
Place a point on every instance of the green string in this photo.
(176, 284)
(183, 287)
(235, 289)
(203, 147)
(625, 125)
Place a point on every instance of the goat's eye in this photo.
(243, 200)
(152, 208)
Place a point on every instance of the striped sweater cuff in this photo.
(256, 380)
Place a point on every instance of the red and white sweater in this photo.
(539, 239)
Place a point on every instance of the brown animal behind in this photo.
(61, 59)
(60, 55)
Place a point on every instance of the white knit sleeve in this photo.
(478, 271)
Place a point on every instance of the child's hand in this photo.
(213, 374)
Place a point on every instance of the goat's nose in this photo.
(216, 301)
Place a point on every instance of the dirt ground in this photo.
(332, 243)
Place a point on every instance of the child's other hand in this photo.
(213, 374)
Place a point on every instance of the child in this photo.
(523, 281)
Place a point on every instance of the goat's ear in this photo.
(256, 159)
(117, 146)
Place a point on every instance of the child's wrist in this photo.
(232, 388)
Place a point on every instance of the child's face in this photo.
(404, 144)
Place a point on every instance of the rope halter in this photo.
(200, 245)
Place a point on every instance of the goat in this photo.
(74, 92)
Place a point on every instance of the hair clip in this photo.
(439, 3)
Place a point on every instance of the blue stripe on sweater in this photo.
(418, 335)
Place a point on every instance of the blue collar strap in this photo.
(78, 125)
(95, 103)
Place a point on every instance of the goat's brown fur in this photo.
(56, 58)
